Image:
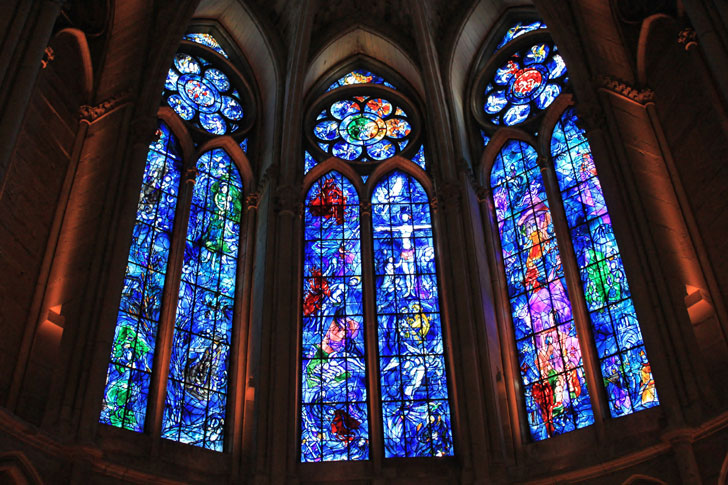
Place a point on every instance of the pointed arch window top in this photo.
(359, 76)
(518, 29)
(208, 41)
(203, 95)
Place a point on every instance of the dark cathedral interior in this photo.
(364, 242)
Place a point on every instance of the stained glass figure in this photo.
(244, 145)
(334, 418)
(359, 76)
(625, 369)
(203, 95)
(415, 407)
(198, 372)
(485, 137)
(362, 128)
(132, 351)
(519, 29)
(208, 41)
(549, 355)
(525, 85)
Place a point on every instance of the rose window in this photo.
(362, 128)
(203, 95)
(526, 84)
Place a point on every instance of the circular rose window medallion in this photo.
(526, 82)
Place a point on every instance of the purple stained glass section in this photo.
(625, 369)
(415, 406)
(198, 372)
(132, 352)
(334, 416)
(554, 387)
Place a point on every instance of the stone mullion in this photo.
(238, 390)
(167, 315)
(23, 84)
(371, 327)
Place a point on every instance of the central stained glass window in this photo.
(404, 327)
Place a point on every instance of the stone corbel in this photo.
(621, 88)
(252, 201)
(91, 114)
(688, 38)
(447, 196)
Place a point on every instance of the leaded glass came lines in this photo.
(549, 354)
(334, 420)
(198, 372)
(415, 406)
(132, 351)
(624, 366)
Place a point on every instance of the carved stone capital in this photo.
(89, 114)
(365, 208)
(483, 194)
(287, 201)
(48, 55)
(252, 201)
(617, 86)
(447, 196)
(590, 117)
(688, 38)
(190, 176)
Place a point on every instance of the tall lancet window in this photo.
(174, 328)
(572, 322)
(371, 330)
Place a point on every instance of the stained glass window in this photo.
(334, 420)
(415, 406)
(208, 41)
(362, 128)
(203, 95)
(549, 354)
(197, 388)
(519, 29)
(526, 84)
(360, 76)
(132, 352)
(625, 369)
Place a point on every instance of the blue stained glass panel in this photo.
(359, 76)
(334, 417)
(132, 351)
(549, 354)
(198, 373)
(625, 369)
(415, 406)
(419, 158)
(519, 29)
(207, 40)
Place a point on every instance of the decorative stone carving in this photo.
(688, 38)
(365, 208)
(287, 201)
(90, 114)
(252, 201)
(48, 56)
(447, 196)
(190, 176)
(641, 96)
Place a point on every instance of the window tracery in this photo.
(517, 87)
(180, 287)
(390, 231)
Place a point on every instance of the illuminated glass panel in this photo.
(203, 95)
(624, 365)
(334, 420)
(132, 352)
(359, 76)
(549, 354)
(207, 40)
(362, 128)
(198, 372)
(526, 84)
(519, 29)
(415, 408)
(419, 158)
(309, 162)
